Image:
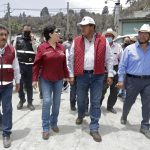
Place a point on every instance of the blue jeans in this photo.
(6, 99)
(94, 83)
(51, 103)
(73, 96)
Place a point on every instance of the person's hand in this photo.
(17, 87)
(32, 37)
(120, 85)
(34, 85)
(109, 81)
(71, 80)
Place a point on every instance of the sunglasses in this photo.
(57, 31)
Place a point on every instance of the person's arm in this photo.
(17, 75)
(71, 61)
(37, 65)
(14, 43)
(120, 52)
(65, 69)
(35, 45)
(109, 60)
(123, 65)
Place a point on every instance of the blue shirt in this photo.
(134, 61)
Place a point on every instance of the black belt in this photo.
(88, 71)
(140, 77)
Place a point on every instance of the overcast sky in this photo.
(39, 4)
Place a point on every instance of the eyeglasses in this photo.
(3, 34)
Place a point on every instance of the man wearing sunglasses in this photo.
(26, 48)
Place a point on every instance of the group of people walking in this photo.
(94, 64)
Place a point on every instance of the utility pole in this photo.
(117, 16)
(68, 25)
(9, 21)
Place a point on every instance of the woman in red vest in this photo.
(52, 59)
(9, 69)
(88, 55)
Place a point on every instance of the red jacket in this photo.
(6, 69)
(100, 49)
(50, 63)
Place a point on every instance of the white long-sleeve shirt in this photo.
(89, 58)
(117, 52)
(15, 66)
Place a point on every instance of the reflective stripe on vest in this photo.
(7, 66)
(27, 52)
(26, 63)
(5, 83)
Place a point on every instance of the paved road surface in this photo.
(27, 130)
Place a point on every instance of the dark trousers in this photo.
(26, 83)
(73, 96)
(112, 98)
(6, 99)
(135, 86)
(1, 116)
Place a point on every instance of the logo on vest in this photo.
(30, 59)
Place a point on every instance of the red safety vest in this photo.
(6, 69)
(99, 60)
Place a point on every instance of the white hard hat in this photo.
(87, 20)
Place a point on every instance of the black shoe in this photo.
(96, 136)
(20, 104)
(31, 107)
(45, 135)
(6, 142)
(55, 129)
(73, 108)
(79, 120)
(112, 110)
(146, 132)
(123, 121)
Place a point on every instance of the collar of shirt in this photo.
(93, 39)
(138, 45)
(2, 50)
(47, 45)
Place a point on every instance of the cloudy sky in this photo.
(39, 4)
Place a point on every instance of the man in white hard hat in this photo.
(135, 63)
(117, 51)
(88, 55)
